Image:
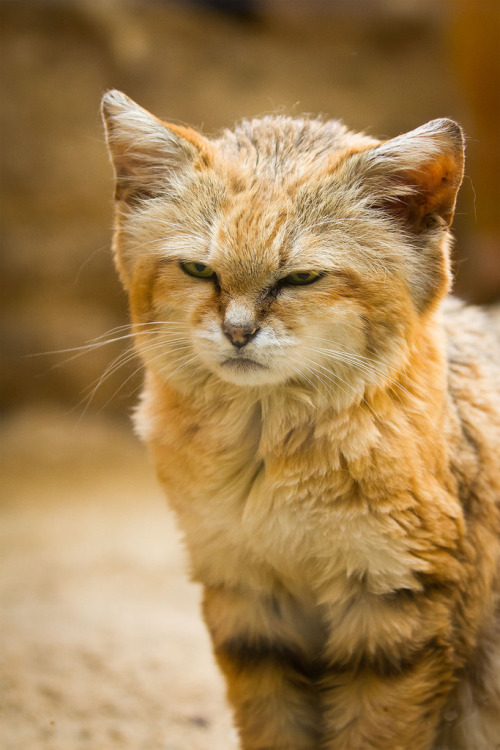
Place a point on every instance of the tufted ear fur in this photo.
(415, 177)
(146, 152)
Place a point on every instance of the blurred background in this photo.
(93, 582)
(385, 66)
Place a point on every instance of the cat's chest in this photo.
(314, 525)
(257, 507)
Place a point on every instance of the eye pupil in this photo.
(198, 270)
(301, 278)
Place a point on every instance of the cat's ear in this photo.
(146, 152)
(415, 177)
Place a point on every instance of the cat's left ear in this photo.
(147, 154)
(415, 177)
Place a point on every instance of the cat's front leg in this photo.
(267, 657)
(387, 705)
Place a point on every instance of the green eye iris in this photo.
(199, 270)
(301, 278)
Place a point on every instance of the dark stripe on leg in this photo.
(248, 654)
(384, 664)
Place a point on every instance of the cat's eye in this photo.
(301, 278)
(199, 270)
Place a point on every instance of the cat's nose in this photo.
(239, 335)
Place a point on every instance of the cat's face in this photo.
(258, 297)
(274, 255)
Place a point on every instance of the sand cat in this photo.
(325, 422)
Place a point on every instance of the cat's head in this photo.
(287, 250)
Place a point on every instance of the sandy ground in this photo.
(103, 644)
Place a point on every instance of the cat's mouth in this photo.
(243, 363)
(243, 371)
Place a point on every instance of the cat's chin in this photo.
(247, 372)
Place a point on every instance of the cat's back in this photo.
(473, 349)
(473, 336)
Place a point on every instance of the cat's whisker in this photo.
(333, 388)
(88, 348)
(328, 388)
(170, 373)
(120, 361)
(369, 367)
(99, 341)
(299, 373)
(117, 390)
(151, 328)
(351, 361)
(329, 376)
(95, 344)
(124, 358)
(159, 345)
(379, 373)
(353, 353)
(351, 388)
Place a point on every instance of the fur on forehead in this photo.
(274, 149)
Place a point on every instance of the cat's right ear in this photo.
(146, 152)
